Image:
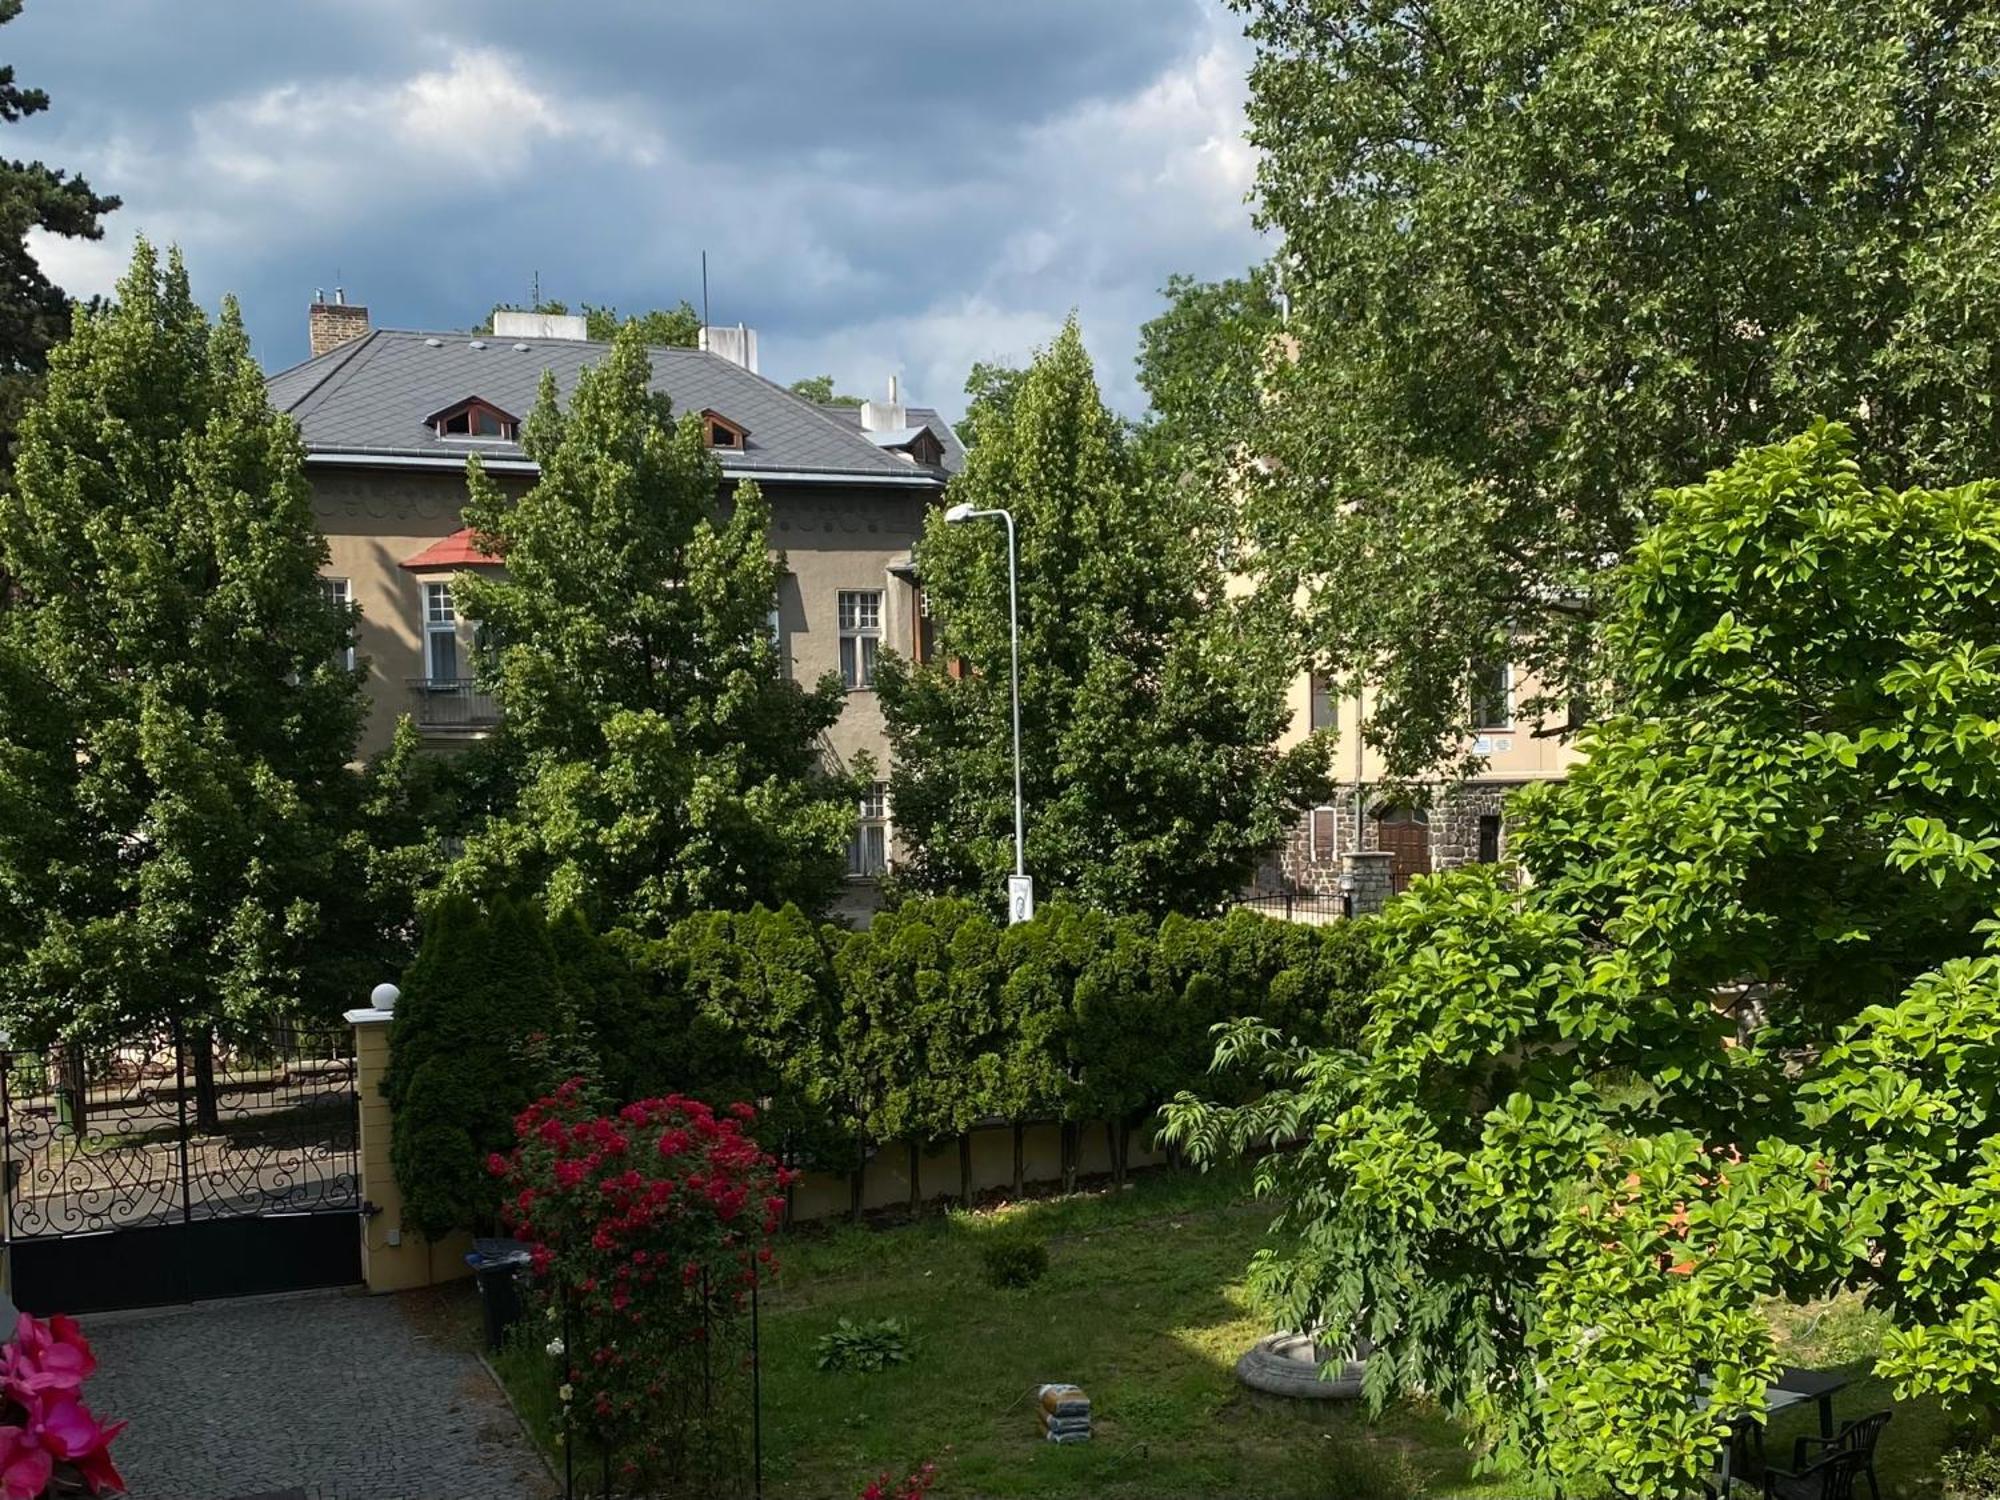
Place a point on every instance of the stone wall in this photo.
(1309, 861)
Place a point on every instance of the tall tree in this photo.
(1547, 260)
(1148, 717)
(34, 312)
(990, 389)
(1203, 364)
(666, 765)
(176, 726)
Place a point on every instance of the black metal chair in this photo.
(1859, 1436)
(1831, 1478)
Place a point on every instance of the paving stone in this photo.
(341, 1396)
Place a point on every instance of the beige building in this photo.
(389, 418)
(1453, 823)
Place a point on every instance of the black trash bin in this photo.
(496, 1267)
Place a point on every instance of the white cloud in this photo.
(442, 179)
(478, 117)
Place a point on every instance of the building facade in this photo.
(1399, 836)
(390, 417)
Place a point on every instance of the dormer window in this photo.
(475, 418)
(719, 432)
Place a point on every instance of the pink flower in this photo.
(57, 1427)
(25, 1467)
(52, 1356)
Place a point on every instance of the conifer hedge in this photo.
(933, 1021)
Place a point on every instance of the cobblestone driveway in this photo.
(346, 1397)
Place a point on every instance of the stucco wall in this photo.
(832, 540)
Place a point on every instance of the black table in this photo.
(1793, 1387)
(1814, 1385)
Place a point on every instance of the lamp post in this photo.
(1020, 888)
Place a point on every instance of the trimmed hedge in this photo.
(928, 1023)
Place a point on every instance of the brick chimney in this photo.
(331, 324)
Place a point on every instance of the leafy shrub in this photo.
(1971, 1473)
(865, 1348)
(1014, 1262)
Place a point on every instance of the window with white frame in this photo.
(868, 851)
(440, 635)
(1492, 695)
(340, 594)
(860, 636)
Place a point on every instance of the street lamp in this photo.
(1020, 888)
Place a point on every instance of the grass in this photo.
(1144, 1306)
(1842, 1334)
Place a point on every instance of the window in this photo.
(1492, 695)
(475, 419)
(774, 627)
(440, 635)
(1323, 835)
(926, 633)
(1489, 839)
(1321, 713)
(860, 636)
(340, 594)
(868, 853)
(719, 432)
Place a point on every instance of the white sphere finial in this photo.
(384, 996)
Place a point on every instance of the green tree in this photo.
(1546, 261)
(460, 1061)
(1734, 1039)
(1203, 364)
(1148, 715)
(819, 388)
(666, 766)
(677, 327)
(34, 313)
(990, 390)
(176, 727)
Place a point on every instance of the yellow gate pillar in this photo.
(393, 1259)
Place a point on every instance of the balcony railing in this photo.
(454, 705)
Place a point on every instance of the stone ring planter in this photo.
(1288, 1364)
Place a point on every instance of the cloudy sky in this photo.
(885, 187)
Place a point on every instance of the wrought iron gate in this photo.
(180, 1165)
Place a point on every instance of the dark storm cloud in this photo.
(895, 186)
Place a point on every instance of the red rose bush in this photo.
(647, 1229)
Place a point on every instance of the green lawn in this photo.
(1143, 1306)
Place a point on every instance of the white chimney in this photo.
(738, 345)
(886, 416)
(534, 325)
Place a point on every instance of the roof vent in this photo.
(535, 325)
(477, 344)
(886, 416)
(738, 345)
(520, 348)
(433, 343)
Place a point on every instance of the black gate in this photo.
(180, 1165)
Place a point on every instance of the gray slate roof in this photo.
(920, 416)
(369, 399)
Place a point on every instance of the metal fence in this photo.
(1296, 907)
(451, 703)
